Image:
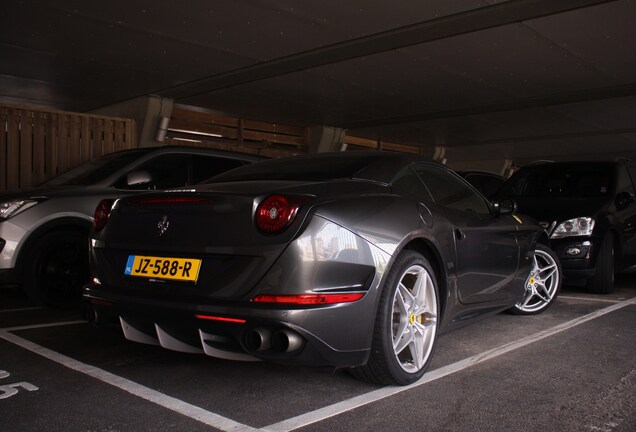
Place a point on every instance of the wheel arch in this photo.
(379, 368)
(426, 248)
(66, 223)
(608, 225)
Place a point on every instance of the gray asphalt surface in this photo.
(572, 368)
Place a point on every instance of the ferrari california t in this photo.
(354, 260)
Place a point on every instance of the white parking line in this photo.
(225, 424)
(24, 309)
(374, 396)
(591, 299)
(184, 408)
(37, 326)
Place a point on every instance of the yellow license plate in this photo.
(182, 269)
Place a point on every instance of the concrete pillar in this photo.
(149, 113)
(439, 154)
(325, 139)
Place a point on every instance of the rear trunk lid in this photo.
(215, 231)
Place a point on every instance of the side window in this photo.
(408, 183)
(449, 190)
(161, 172)
(204, 167)
(487, 184)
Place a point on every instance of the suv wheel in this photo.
(57, 267)
(603, 280)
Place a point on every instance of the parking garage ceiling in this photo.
(484, 79)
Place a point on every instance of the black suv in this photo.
(587, 209)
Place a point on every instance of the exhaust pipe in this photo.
(286, 341)
(258, 339)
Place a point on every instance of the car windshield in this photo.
(301, 168)
(563, 180)
(96, 170)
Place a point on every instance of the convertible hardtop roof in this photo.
(375, 166)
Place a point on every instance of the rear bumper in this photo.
(311, 336)
(216, 315)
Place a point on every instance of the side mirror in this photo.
(505, 207)
(623, 200)
(138, 178)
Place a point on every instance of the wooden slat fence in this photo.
(358, 143)
(36, 145)
(191, 127)
(204, 129)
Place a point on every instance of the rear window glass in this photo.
(449, 190)
(314, 168)
(204, 167)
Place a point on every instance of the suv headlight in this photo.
(582, 226)
(9, 209)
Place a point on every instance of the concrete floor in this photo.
(572, 368)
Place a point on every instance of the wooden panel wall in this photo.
(191, 127)
(355, 143)
(36, 145)
(204, 129)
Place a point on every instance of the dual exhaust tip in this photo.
(278, 341)
(257, 339)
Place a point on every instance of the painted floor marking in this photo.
(179, 406)
(225, 424)
(38, 326)
(591, 299)
(374, 396)
(24, 309)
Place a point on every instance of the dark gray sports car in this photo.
(356, 260)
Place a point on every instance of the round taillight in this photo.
(275, 213)
(102, 212)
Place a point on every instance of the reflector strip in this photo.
(309, 299)
(222, 319)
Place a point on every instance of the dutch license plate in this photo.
(182, 269)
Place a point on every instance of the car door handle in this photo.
(459, 235)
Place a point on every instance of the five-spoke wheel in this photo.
(406, 325)
(542, 284)
(414, 318)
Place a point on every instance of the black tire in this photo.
(393, 359)
(603, 280)
(56, 268)
(542, 284)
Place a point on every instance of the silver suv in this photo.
(44, 231)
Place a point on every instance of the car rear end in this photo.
(235, 275)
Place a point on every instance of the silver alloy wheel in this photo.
(542, 283)
(414, 319)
